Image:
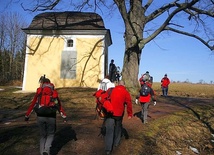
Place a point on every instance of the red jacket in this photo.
(144, 99)
(165, 82)
(120, 98)
(35, 99)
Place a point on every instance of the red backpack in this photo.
(103, 106)
(47, 100)
(48, 95)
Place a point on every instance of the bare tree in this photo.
(142, 24)
(2, 40)
(12, 43)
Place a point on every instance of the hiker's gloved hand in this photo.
(62, 115)
(155, 103)
(129, 117)
(136, 101)
(26, 118)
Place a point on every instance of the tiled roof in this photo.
(67, 21)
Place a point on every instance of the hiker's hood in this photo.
(106, 80)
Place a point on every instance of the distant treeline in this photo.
(12, 47)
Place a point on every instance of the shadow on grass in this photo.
(200, 118)
(14, 137)
(62, 137)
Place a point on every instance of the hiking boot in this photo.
(44, 153)
(108, 152)
(116, 145)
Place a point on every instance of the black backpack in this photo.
(145, 90)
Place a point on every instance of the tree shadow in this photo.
(139, 115)
(62, 137)
(200, 118)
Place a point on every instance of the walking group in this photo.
(112, 100)
(146, 94)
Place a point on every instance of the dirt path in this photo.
(86, 129)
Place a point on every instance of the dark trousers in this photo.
(113, 132)
(47, 126)
(112, 76)
(165, 91)
(144, 112)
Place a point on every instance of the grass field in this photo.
(188, 90)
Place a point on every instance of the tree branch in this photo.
(206, 43)
(122, 9)
(159, 11)
(147, 5)
(181, 7)
(199, 11)
(46, 5)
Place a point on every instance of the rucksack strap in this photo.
(109, 93)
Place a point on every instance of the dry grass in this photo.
(165, 135)
(188, 90)
(177, 133)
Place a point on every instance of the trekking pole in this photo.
(95, 116)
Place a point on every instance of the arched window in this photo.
(70, 43)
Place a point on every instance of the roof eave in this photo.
(105, 32)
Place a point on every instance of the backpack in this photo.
(103, 86)
(47, 101)
(103, 106)
(145, 90)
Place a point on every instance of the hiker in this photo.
(112, 71)
(118, 74)
(165, 85)
(119, 99)
(105, 84)
(101, 95)
(46, 115)
(102, 109)
(146, 93)
(146, 77)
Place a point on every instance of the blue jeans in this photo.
(113, 132)
(47, 127)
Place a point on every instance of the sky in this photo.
(180, 57)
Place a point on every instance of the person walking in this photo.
(112, 71)
(165, 85)
(119, 98)
(118, 74)
(46, 116)
(146, 94)
(146, 77)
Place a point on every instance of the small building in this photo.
(70, 48)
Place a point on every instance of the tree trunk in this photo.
(131, 61)
(131, 69)
(134, 25)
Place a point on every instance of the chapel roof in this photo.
(68, 20)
